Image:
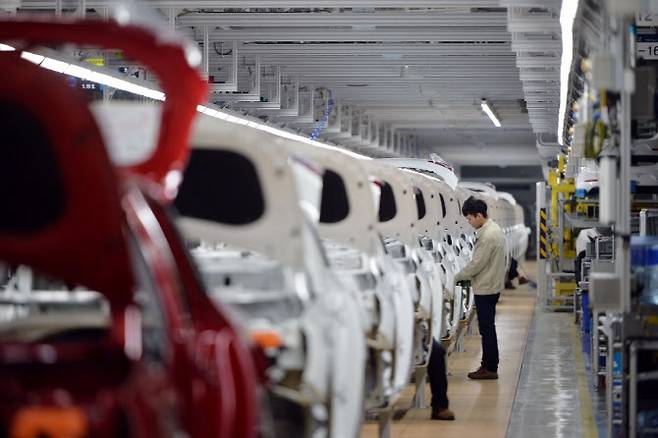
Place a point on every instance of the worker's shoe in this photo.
(509, 285)
(483, 374)
(444, 414)
(523, 280)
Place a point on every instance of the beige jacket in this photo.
(487, 268)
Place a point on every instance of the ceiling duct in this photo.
(535, 29)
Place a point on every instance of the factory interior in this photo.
(329, 218)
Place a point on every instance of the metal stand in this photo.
(599, 348)
(459, 344)
(473, 328)
(542, 244)
(420, 378)
(385, 422)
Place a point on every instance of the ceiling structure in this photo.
(384, 77)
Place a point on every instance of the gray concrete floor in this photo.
(553, 398)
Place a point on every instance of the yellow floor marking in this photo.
(586, 412)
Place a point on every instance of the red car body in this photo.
(70, 217)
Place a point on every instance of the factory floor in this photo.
(542, 390)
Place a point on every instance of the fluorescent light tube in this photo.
(120, 84)
(567, 17)
(54, 65)
(272, 130)
(6, 48)
(89, 75)
(32, 57)
(489, 112)
(78, 72)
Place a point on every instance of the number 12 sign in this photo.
(646, 19)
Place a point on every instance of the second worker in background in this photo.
(486, 272)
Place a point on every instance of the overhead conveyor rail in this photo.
(419, 69)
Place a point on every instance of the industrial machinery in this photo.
(317, 278)
(595, 249)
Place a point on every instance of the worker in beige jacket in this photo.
(486, 272)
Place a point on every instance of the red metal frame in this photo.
(208, 372)
(219, 339)
(88, 238)
(182, 84)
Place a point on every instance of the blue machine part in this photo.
(644, 264)
(586, 322)
(617, 366)
(647, 420)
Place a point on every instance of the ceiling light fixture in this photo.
(132, 87)
(489, 111)
(32, 57)
(92, 76)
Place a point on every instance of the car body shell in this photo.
(322, 335)
(108, 236)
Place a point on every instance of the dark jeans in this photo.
(436, 371)
(513, 270)
(485, 306)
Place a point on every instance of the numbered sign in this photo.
(647, 50)
(647, 43)
(646, 19)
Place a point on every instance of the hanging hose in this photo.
(324, 121)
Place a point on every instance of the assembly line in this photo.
(339, 268)
(328, 219)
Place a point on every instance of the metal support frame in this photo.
(385, 421)
(171, 16)
(554, 258)
(207, 4)
(206, 51)
(595, 356)
(623, 220)
(645, 216)
(621, 389)
(614, 375)
(232, 82)
(420, 379)
(542, 261)
(369, 72)
(259, 74)
(635, 378)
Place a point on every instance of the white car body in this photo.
(403, 242)
(445, 174)
(356, 252)
(320, 363)
(445, 236)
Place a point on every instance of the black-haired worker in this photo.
(486, 272)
